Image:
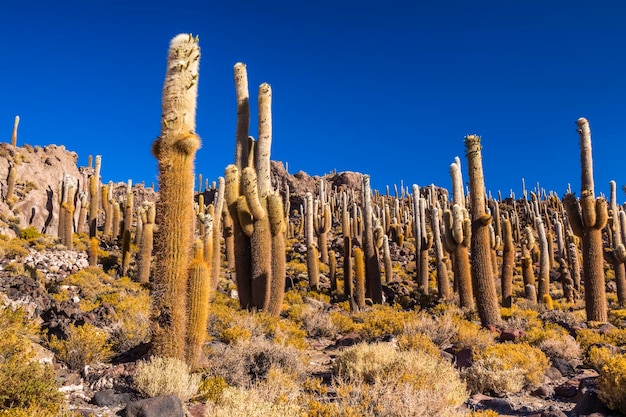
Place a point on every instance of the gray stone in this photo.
(163, 406)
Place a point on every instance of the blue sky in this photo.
(386, 88)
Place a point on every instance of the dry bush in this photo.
(377, 379)
(612, 383)
(472, 335)
(492, 376)
(506, 368)
(245, 363)
(165, 376)
(383, 320)
(248, 402)
(560, 346)
(403, 400)
(28, 387)
(84, 345)
(554, 341)
(440, 329)
(521, 318)
(314, 320)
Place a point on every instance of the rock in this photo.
(349, 340)
(501, 405)
(162, 406)
(109, 398)
(553, 411)
(590, 404)
(564, 367)
(543, 391)
(464, 357)
(510, 334)
(568, 389)
(553, 374)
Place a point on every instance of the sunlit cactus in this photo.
(587, 217)
(482, 273)
(175, 151)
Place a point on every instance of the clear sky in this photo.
(388, 88)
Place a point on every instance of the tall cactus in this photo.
(457, 234)
(94, 203)
(617, 254)
(14, 135)
(482, 274)
(372, 266)
(359, 278)
(528, 274)
(126, 228)
(215, 256)
(311, 246)
(508, 263)
(148, 215)
(443, 286)
(175, 151)
(587, 220)
(199, 294)
(348, 289)
(258, 213)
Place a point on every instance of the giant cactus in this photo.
(617, 254)
(175, 151)
(457, 238)
(587, 219)
(370, 251)
(482, 273)
(258, 216)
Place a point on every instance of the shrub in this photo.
(14, 248)
(242, 402)
(165, 376)
(245, 363)
(343, 322)
(612, 383)
(417, 341)
(29, 233)
(506, 368)
(26, 385)
(383, 320)
(439, 329)
(472, 335)
(84, 345)
(314, 320)
(554, 341)
(396, 382)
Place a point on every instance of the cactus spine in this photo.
(587, 221)
(482, 273)
(175, 151)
